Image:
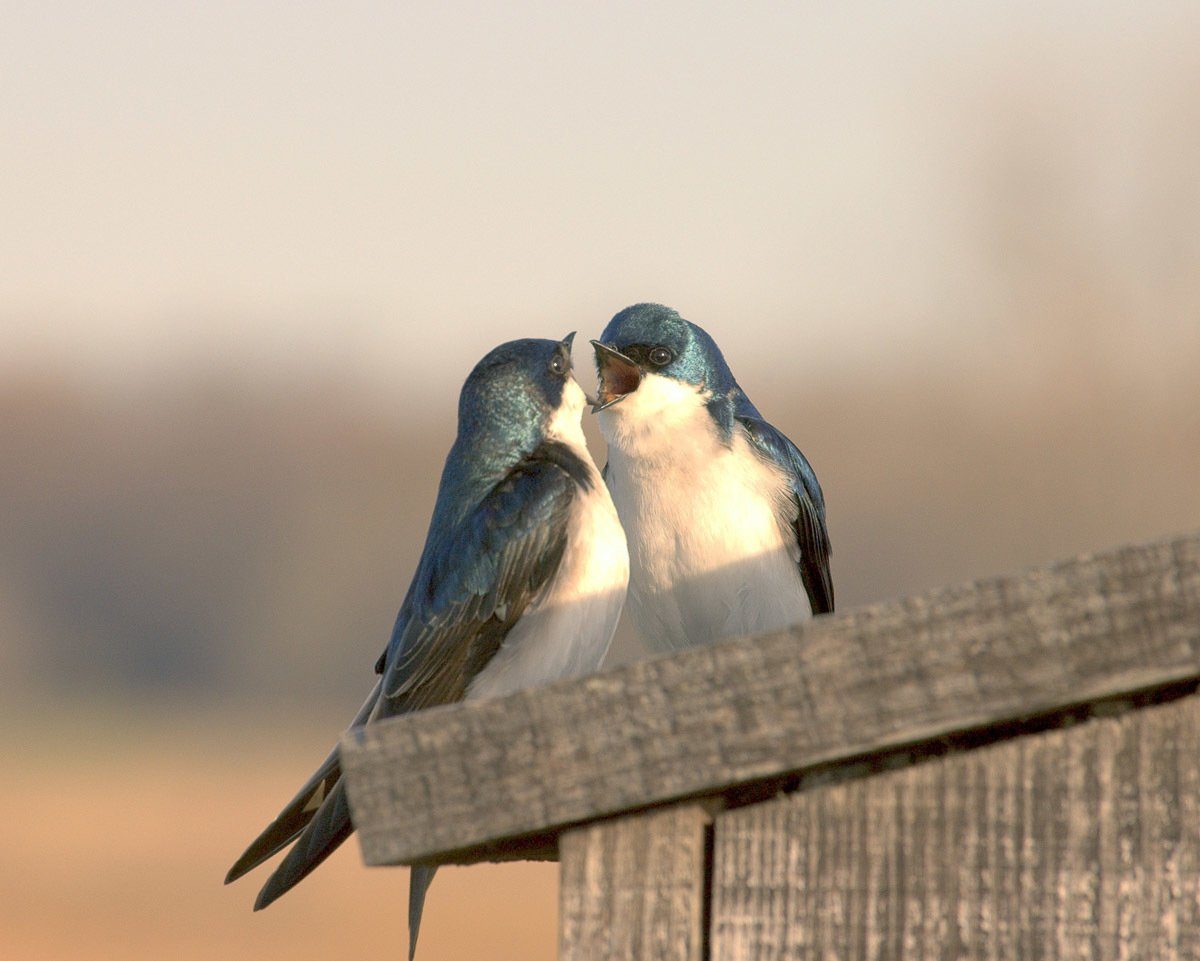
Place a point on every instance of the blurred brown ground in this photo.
(119, 855)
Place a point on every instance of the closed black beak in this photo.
(619, 376)
(564, 349)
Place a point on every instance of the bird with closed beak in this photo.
(723, 515)
(521, 582)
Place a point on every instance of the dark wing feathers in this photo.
(472, 585)
(300, 809)
(469, 594)
(812, 536)
(329, 827)
(291, 820)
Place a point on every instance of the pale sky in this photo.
(393, 188)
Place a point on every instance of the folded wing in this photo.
(475, 579)
(808, 523)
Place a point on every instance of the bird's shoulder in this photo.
(477, 577)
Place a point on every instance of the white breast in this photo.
(709, 558)
(567, 630)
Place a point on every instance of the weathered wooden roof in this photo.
(740, 720)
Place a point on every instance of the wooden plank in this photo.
(1081, 844)
(451, 784)
(633, 889)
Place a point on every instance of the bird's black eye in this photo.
(558, 364)
(660, 356)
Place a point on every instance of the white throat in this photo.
(709, 554)
(566, 423)
(650, 422)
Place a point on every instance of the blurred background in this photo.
(249, 252)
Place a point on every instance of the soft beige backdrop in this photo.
(249, 251)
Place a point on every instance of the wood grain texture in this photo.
(452, 784)
(634, 888)
(1081, 844)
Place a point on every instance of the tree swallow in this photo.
(724, 516)
(521, 582)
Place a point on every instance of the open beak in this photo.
(619, 376)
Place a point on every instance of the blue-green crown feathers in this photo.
(513, 390)
(503, 412)
(695, 357)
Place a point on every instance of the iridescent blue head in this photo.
(512, 394)
(653, 339)
(520, 395)
(646, 341)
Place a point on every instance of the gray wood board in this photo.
(1081, 844)
(633, 889)
(455, 783)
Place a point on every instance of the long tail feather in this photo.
(420, 877)
(302, 808)
(329, 827)
(291, 820)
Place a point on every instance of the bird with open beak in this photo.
(723, 515)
